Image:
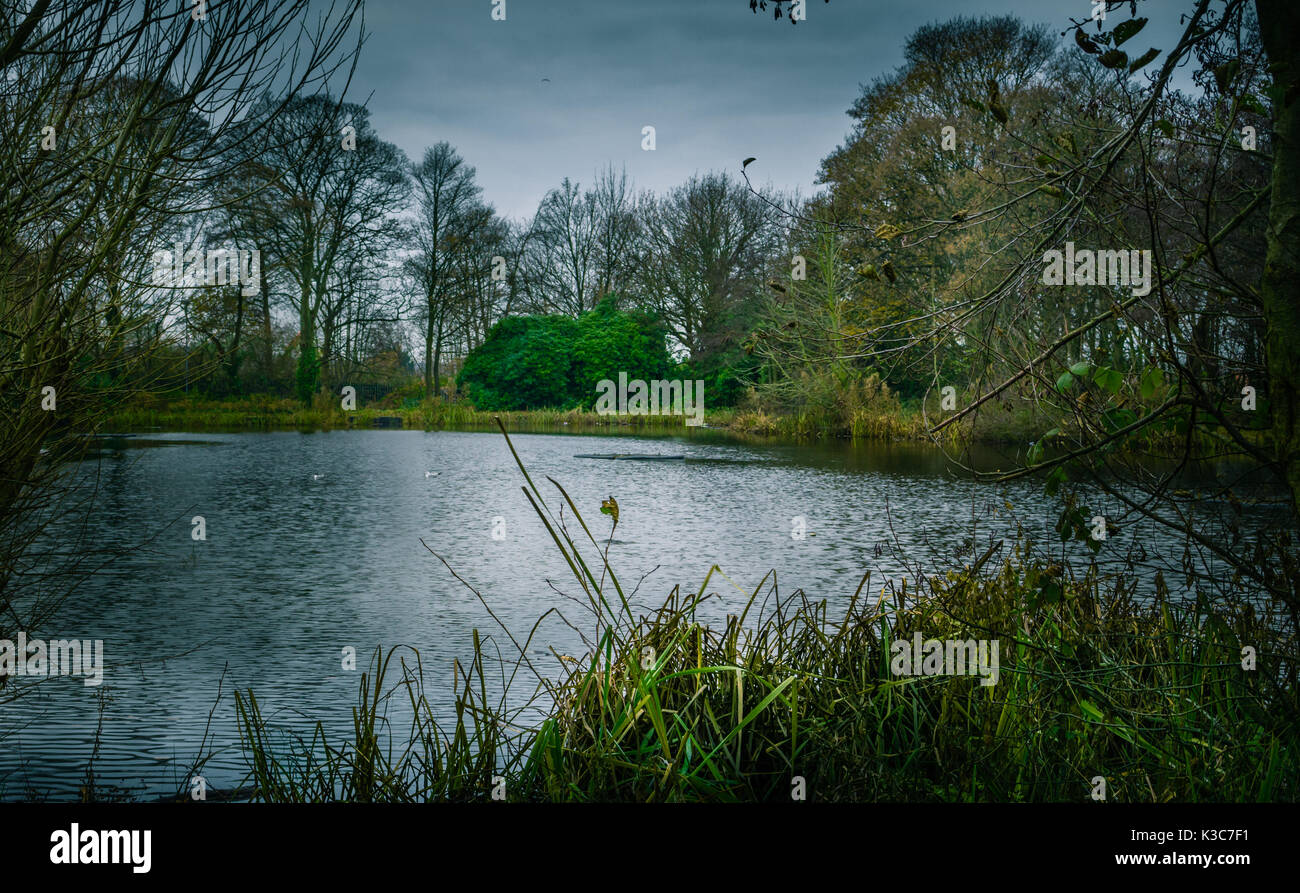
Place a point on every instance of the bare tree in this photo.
(563, 252)
(320, 183)
(449, 217)
(113, 115)
(706, 244)
(618, 233)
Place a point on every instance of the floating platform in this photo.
(626, 456)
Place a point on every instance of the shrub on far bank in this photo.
(555, 362)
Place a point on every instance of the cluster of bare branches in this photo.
(119, 121)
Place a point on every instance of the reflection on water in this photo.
(314, 544)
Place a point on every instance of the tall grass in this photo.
(264, 412)
(1098, 677)
(430, 763)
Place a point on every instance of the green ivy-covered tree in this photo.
(534, 362)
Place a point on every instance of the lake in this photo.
(314, 544)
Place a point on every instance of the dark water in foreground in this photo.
(297, 567)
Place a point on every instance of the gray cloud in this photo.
(716, 81)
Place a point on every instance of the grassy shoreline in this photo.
(1151, 697)
(892, 422)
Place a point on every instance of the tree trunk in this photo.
(235, 357)
(1280, 285)
(268, 357)
(428, 354)
(437, 359)
(308, 362)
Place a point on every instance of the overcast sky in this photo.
(563, 87)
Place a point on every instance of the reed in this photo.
(432, 762)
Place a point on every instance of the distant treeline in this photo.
(918, 266)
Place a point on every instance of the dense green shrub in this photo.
(534, 362)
